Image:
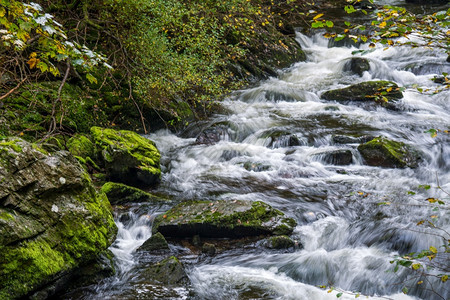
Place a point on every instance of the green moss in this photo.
(387, 153)
(381, 92)
(6, 216)
(119, 193)
(257, 216)
(11, 144)
(80, 145)
(128, 157)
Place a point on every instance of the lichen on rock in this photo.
(128, 157)
(52, 219)
(218, 219)
(382, 152)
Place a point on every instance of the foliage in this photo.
(394, 26)
(30, 35)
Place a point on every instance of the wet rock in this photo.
(169, 271)
(255, 167)
(382, 152)
(383, 93)
(119, 193)
(281, 139)
(52, 220)
(340, 157)
(128, 158)
(280, 96)
(212, 135)
(196, 240)
(209, 249)
(357, 65)
(344, 139)
(280, 242)
(156, 242)
(441, 80)
(221, 219)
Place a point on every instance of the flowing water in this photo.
(348, 238)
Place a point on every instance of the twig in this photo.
(13, 89)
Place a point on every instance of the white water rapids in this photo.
(348, 237)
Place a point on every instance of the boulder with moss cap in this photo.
(383, 93)
(52, 220)
(128, 157)
(119, 193)
(383, 152)
(221, 219)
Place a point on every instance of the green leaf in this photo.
(339, 295)
(91, 78)
(405, 290)
(329, 24)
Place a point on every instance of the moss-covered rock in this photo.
(169, 271)
(221, 218)
(80, 145)
(128, 157)
(119, 193)
(381, 92)
(156, 242)
(280, 242)
(52, 219)
(382, 152)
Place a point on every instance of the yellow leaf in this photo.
(444, 278)
(318, 16)
(2, 12)
(389, 89)
(33, 62)
(433, 249)
(416, 266)
(432, 200)
(420, 282)
(382, 24)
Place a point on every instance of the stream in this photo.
(274, 140)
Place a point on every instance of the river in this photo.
(348, 238)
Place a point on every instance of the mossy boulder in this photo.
(52, 220)
(128, 157)
(280, 242)
(119, 193)
(169, 271)
(221, 219)
(384, 93)
(382, 152)
(156, 242)
(80, 145)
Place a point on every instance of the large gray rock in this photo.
(222, 218)
(52, 220)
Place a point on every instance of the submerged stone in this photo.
(52, 220)
(128, 157)
(220, 219)
(382, 152)
(119, 193)
(381, 92)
